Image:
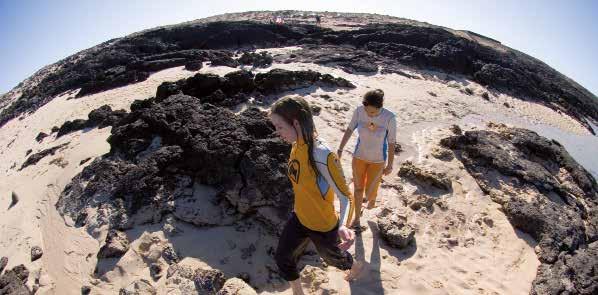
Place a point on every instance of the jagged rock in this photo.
(71, 126)
(316, 110)
(257, 60)
(84, 161)
(424, 177)
(139, 287)
(194, 65)
(278, 80)
(131, 59)
(442, 154)
(14, 281)
(559, 207)
(40, 136)
(236, 286)
(573, 273)
(36, 253)
(485, 95)
(101, 117)
(28, 152)
(226, 61)
(33, 159)
(456, 129)
(85, 290)
(416, 202)
(3, 263)
(156, 271)
(169, 255)
(208, 281)
(115, 246)
(14, 199)
(395, 229)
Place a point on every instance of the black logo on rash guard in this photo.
(294, 170)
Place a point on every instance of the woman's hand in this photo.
(387, 170)
(347, 237)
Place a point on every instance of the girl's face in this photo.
(372, 111)
(286, 131)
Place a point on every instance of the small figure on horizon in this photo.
(318, 20)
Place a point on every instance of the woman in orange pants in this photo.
(374, 153)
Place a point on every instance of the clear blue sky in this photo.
(564, 34)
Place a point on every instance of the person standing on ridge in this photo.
(374, 153)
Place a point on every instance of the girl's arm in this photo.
(350, 128)
(331, 170)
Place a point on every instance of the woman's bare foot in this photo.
(353, 273)
(371, 206)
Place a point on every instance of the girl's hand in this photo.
(347, 237)
(387, 170)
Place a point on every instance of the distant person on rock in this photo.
(374, 152)
(318, 20)
(316, 176)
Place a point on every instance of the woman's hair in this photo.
(296, 108)
(374, 98)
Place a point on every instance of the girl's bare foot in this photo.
(371, 205)
(353, 273)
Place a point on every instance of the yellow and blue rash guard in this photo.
(314, 196)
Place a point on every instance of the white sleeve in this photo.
(353, 122)
(392, 130)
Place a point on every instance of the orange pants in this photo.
(366, 177)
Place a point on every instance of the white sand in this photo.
(488, 260)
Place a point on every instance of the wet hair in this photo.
(293, 108)
(374, 98)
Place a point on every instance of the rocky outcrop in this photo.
(424, 177)
(115, 246)
(141, 286)
(34, 158)
(3, 263)
(544, 193)
(256, 60)
(164, 147)
(394, 229)
(234, 88)
(131, 59)
(236, 286)
(101, 117)
(36, 253)
(14, 281)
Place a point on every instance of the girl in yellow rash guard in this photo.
(316, 176)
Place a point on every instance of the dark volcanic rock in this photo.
(36, 253)
(40, 136)
(257, 60)
(544, 193)
(278, 80)
(14, 281)
(208, 281)
(131, 59)
(115, 246)
(3, 263)
(163, 147)
(573, 273)
(33, 159)
(101, 117)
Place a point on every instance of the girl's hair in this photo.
(374, 98)
(296, 108)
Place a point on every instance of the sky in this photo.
(563, 34)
